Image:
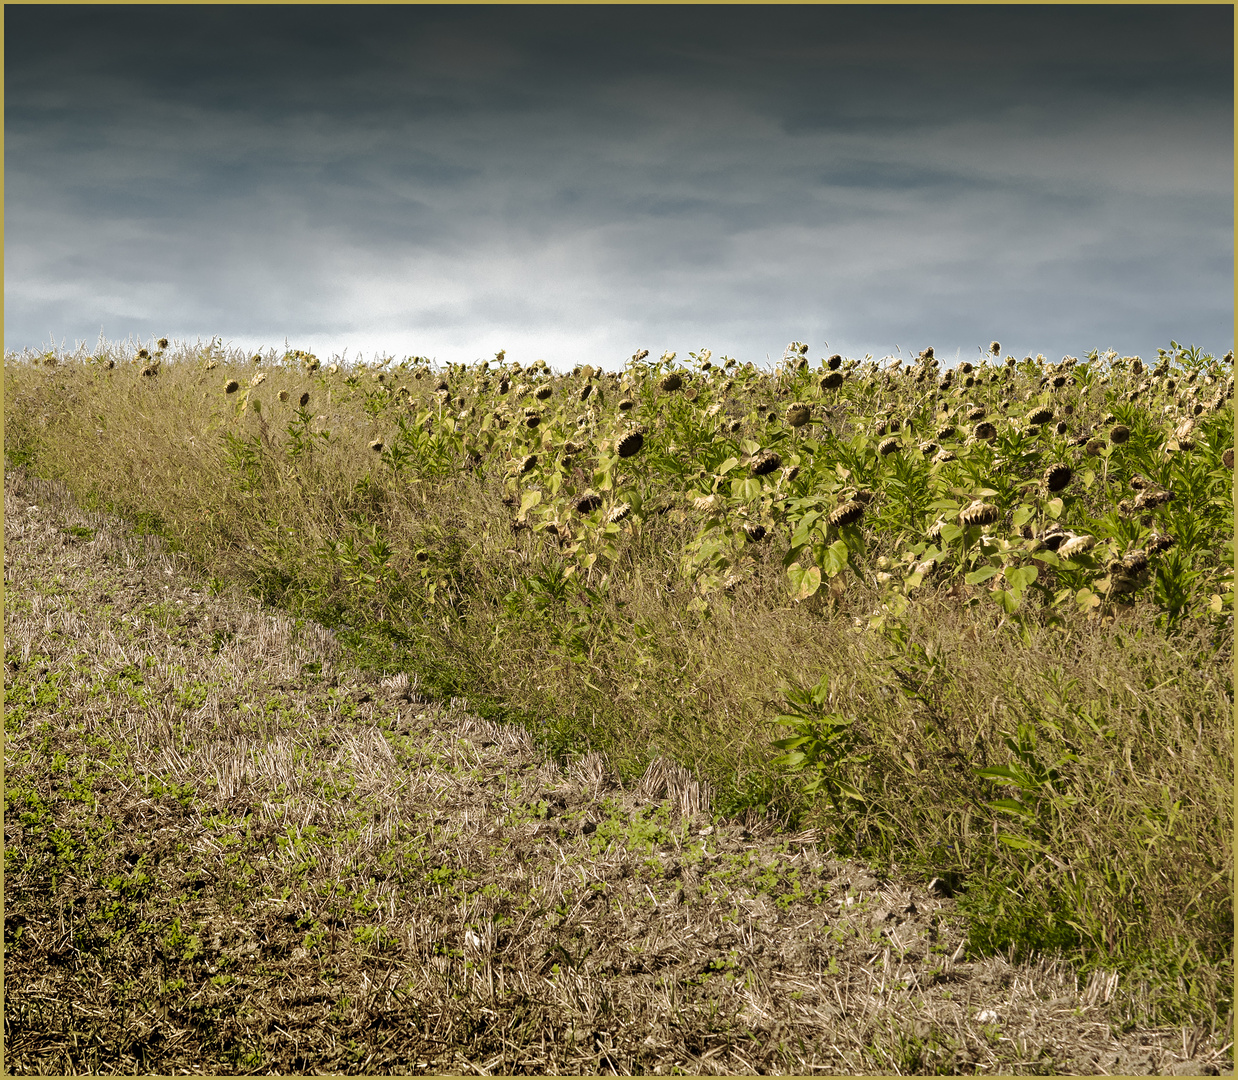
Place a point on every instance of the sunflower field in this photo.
(974, 618)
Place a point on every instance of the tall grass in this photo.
(1059, 750)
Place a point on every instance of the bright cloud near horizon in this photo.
(575, 183)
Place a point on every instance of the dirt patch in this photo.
(226, 851)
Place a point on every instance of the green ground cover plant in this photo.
(974, 624)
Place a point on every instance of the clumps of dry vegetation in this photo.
(228, 851)
(975, 622)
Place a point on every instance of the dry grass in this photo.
(1063, 762)
(228, 851)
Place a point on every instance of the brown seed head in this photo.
(630, 444)
(798, 415)
(765, 462)
(672, 382)
(847, 514)
(1057, 477)
(1040, 417)
(1152, 498)
(985, 431)
(1076, 545)
(231, 386)
(978, 513)
(887, 447)
(754, 530)
(587, 503)
(1135, 561)
(377, 446)
(1119, 434)
(618, 513)
(832, 381)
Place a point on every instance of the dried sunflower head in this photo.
(586, 503)
(618, 513)
(1227, 458)
(630, 444)
(1119, 434)
(887, 447)
(543, 392)
(672, 382)
(304, 399)
(754, 530)
(377, 446)
(528, 463)
(231, 386)
(847, 514)
(765, 462)
(1057, 477)
(1076, 545)
(798, 415)
(978, 513)
(985, 431)
(1135, 561)
(1153, 498)
(1040, 417)
(832, 381)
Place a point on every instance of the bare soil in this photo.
(227, 850)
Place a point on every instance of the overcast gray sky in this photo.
(575, 183)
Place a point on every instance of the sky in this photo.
(574, 183)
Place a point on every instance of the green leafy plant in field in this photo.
(824, 744)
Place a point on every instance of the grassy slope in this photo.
(1121, 724)
(228, 850)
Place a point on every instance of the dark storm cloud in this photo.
(577, 182)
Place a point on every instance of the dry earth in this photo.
(225, 851)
